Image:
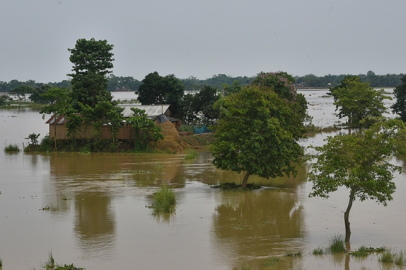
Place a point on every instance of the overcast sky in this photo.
(205, 37)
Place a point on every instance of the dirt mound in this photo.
(172, 141)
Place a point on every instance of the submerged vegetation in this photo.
(336, 244)
(191, 154)
(234, 186)
(12, 148)
(164, 201)
(51, 265)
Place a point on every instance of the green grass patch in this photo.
(191, 154)
(364, 251)
(336, 244)
(270, 262)
(234, 186)
(399, 259)
(12, 148)
(387, 257)
(51, 265)
(318, 251)
(164, 201)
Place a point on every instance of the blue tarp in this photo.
(201, 130)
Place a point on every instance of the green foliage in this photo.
(399, 259)
(161, 90)
(37, 94)
(12, 148)
(387, 257)
(191, 154)
(359, 162)
(51, 265)
(318, 251)
(357, 101)
(164, 201)
(91, 60)
(20, 92)
(146, 132)
(33, 138)
(399, 107)
(337, 244)
(257, 132)
(46, 144)
(3, 99)
(270, 262)
(363, 251)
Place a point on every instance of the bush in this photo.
(318, 251)
(387, 257)
(12, 148)
(164, 201)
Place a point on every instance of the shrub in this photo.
(12, 148)
(164, 200)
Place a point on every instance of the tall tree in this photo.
(359, 162)
(92, 61)
(258, 133)
(399, 107)
(357, 101)
(21, 91)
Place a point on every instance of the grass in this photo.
(234, 186)
(399, 259)
(298, 254)
(51, 265)
(387, 257)
(364, 251)
(270, 262)
(318, 251)
(12, 148)
(164, 201)
(191, 154)
(337, 244)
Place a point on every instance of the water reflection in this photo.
(253, 226)
(94, 221)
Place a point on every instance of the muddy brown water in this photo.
(91, 210)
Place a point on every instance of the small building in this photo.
(58, 130)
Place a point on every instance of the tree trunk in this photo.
(347, 216)
(244, 182)
(349, 125)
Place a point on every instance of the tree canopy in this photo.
(257, 132)
(360, 162)
(357, 101)
(399, 107)
(92, 61)
(156, 89)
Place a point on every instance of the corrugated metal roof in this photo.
(150, 110)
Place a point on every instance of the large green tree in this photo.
(92, 60)
(20, 92)
(361, 163)
(357, 101)
(156, 89)
(399, 107)
(258, 133)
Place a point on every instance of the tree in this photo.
(258, 132)
(146, 132)
(203, 104)
(20, 92)
(156, 89)
(360, 163)
(400, 95)
(91, 63)
(357, 100)
(36, 95)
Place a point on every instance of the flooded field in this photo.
(92, 210)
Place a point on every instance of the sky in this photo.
(204, 38)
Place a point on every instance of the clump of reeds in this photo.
(387, 257)
(164, 200)
(318, 251)
(12, 148)
(337, 244)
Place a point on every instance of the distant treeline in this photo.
(119, 83)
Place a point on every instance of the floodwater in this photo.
(91, 210)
